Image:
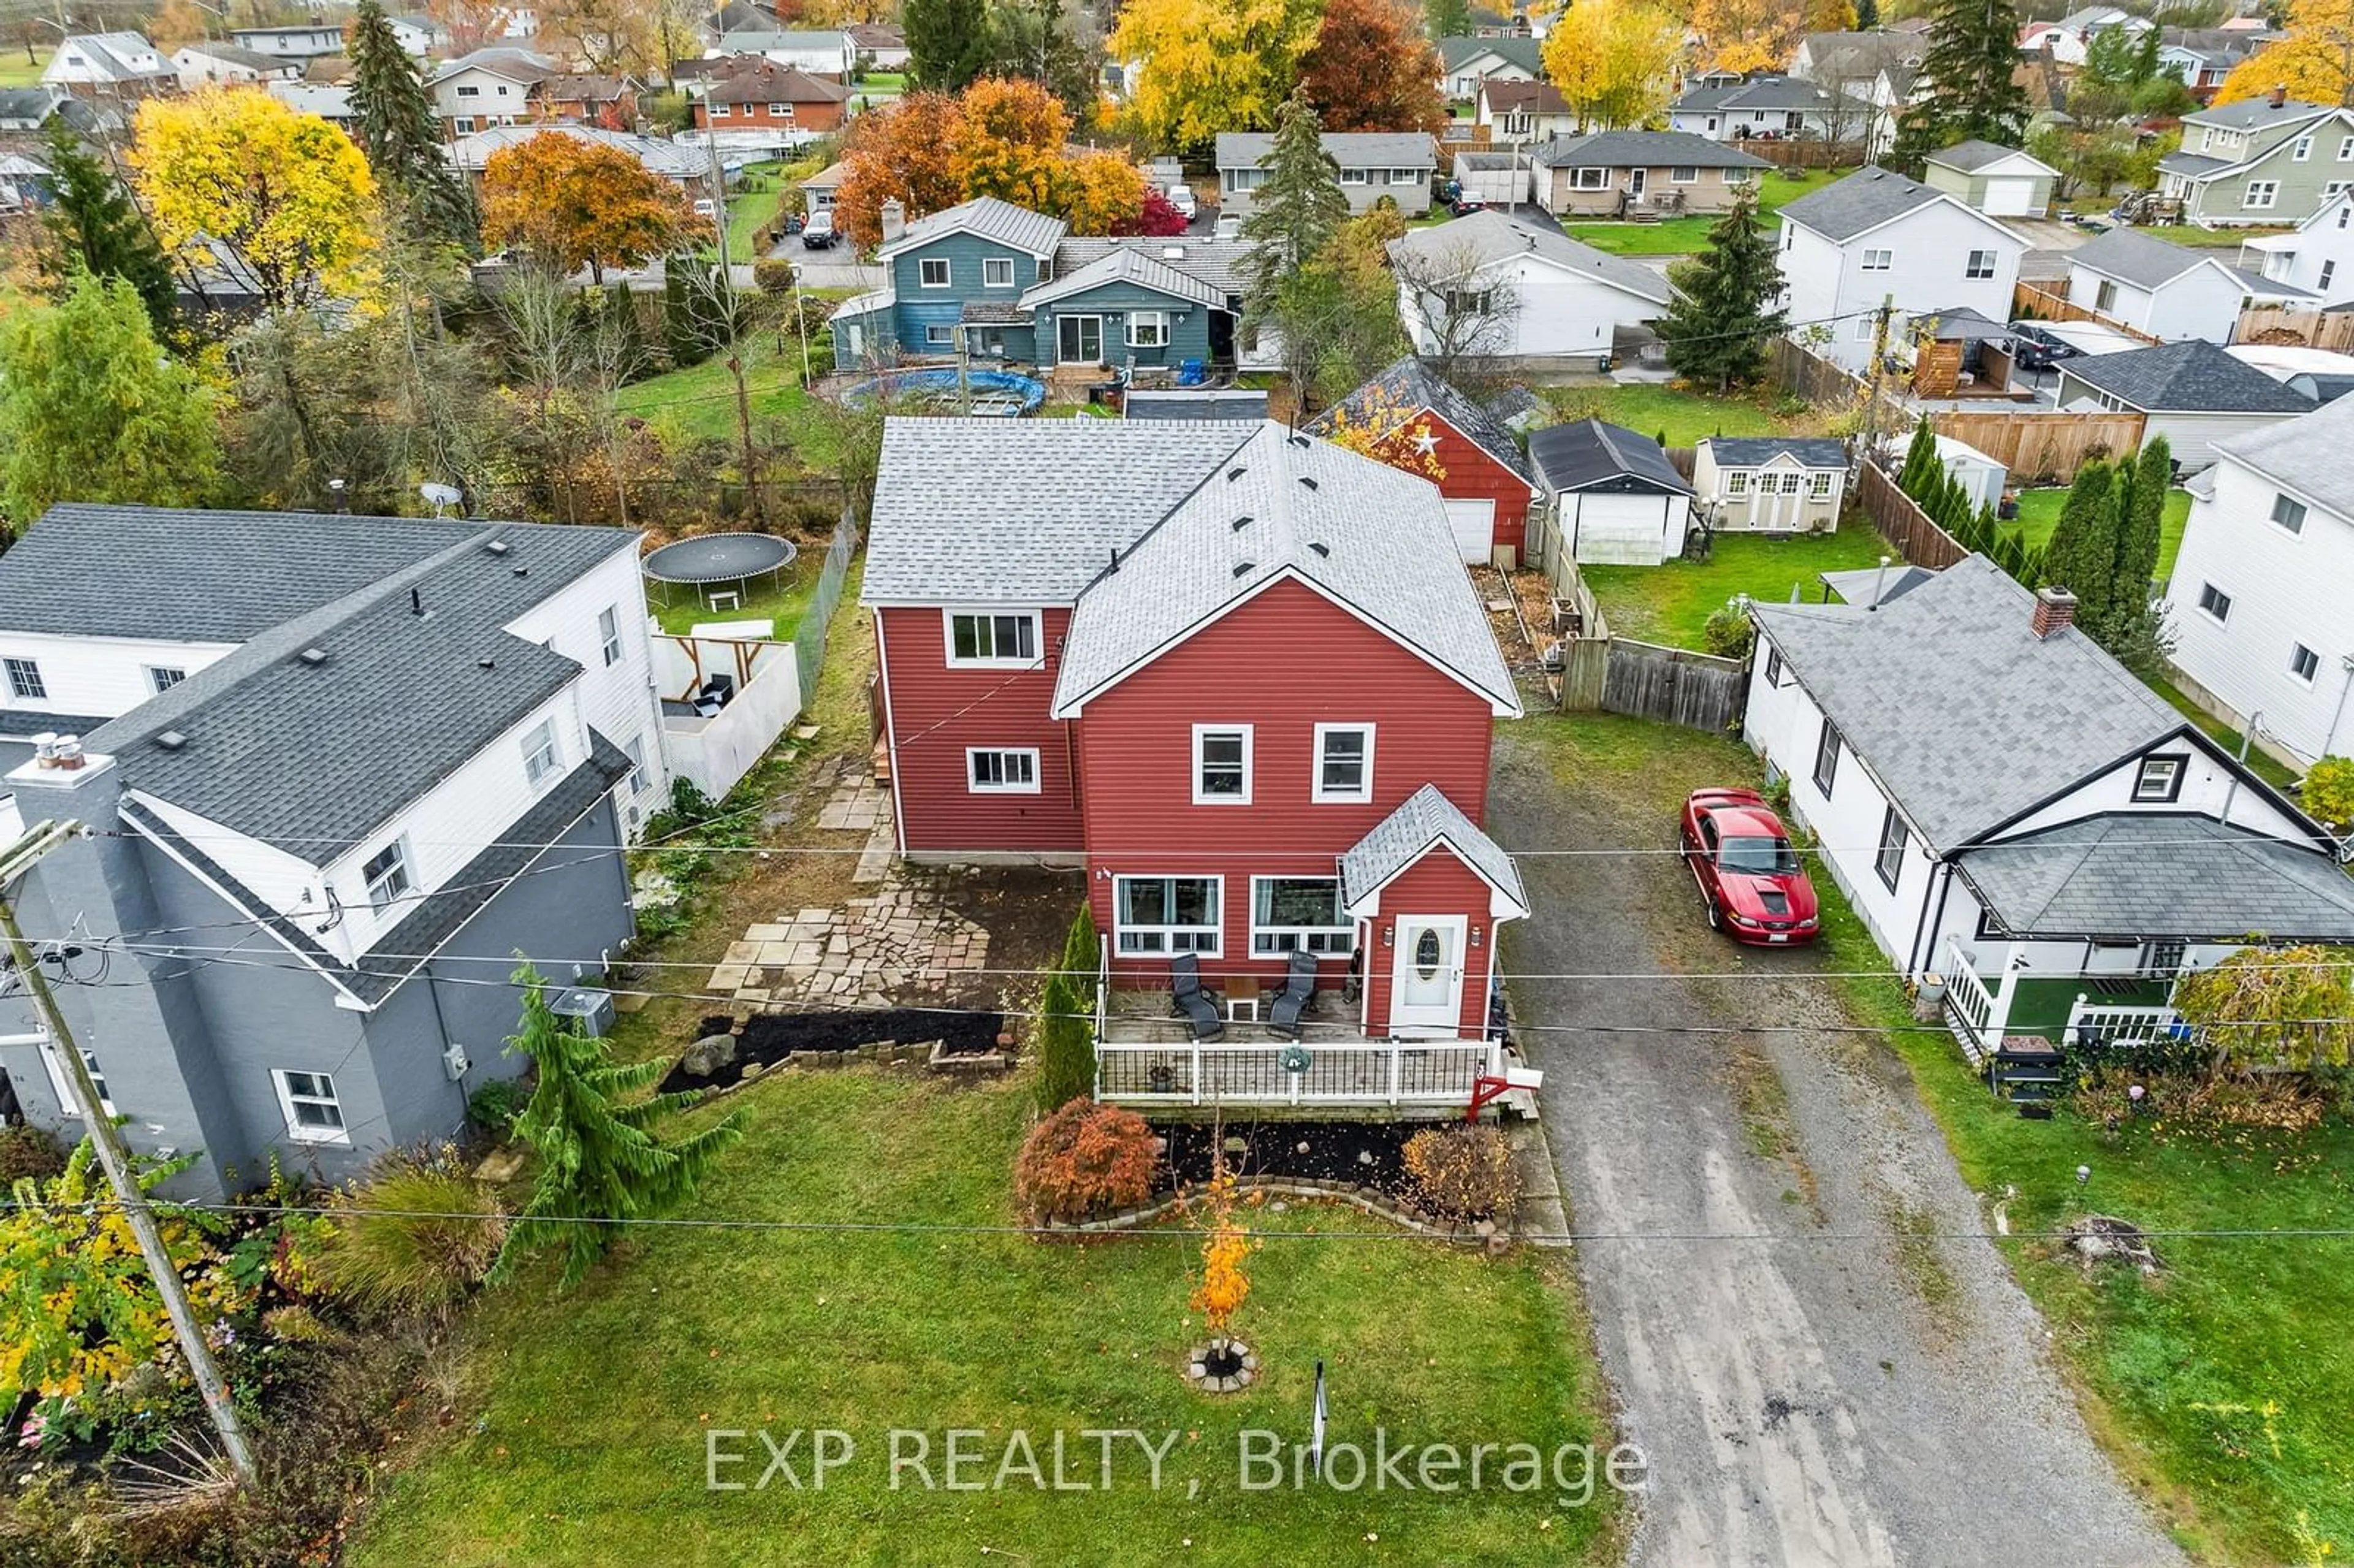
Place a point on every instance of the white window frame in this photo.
(543, 757)
(25, 681)
(2104, 295)
(636, 752)
(2158, 781)
(57, 1066)
(465, 124)
(162, 678)
(1683, 174)
(997, 272)
(722, 112)
(1159, 323)
(474, 91)
(924, 265)
(2302, 150)
(1818, 485)
(1316, 790)
(1202, 941)
(1978, 264)
(781, 111)
(2287, 514)
(1406, 176)
(2328, 271)
(1028, 757)
(1863, 328)
(2214, 604)
(608, 633)
(2271, 195)
(1274, 941)
(394, 882)
(1886, 259)
(2304, 663)
(936, 335)
(1789, 481)
(1356, 176)
(319, 1089)
(992, 615)
(1578, 180)
(2346, 149)
(1203, 732)
(1737, 484)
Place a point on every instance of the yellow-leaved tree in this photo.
(1100, 192)
(1761, 35)
(2315, 62)
(1613, 61)
(289, 193)
(1008, 142)
(1206, 66)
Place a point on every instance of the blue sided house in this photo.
(1021, 291)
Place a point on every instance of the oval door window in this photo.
(1426, 953)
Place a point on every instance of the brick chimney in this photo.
(2055, 608)
(2279, 94)
(894, 219)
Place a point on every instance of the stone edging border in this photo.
(1349, 1193)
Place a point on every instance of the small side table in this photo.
(1242, 1000)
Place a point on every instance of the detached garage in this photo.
(1611, 498)
(2000, 182)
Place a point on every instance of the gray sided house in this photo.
(2192, 393)
(1373, 164)
(2001, 181)
(339, 771)
(2261, 161)
(1615, 174)
(1770, 109)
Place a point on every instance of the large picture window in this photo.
(1299, 913)
(1003, 638)
(1166, 914)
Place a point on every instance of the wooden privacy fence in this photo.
(1808, 153)
(1901, 522)
(2287, 324)
(1600, 673)
(2028, 300)
(1811, 376)
(2044, 447)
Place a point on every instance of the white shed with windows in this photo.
(1771, 485)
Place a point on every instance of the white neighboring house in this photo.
(1878, 236)
(1610, 497)
(1770, 109)
(1770, 484)
(2192, 393)
(489, 87)
(228, 65)
(1373, 164)
(108, 65)
(420, 34)
(1465, 63)
(1490, 287)
(2168, 292)
(1524, 111)
(2316, 256)
(2061, 856)
(2262, 600)
(820, 53)
(299, 42)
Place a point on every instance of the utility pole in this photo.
(1871, 440)
(112, 1158)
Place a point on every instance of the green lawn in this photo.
(583, 1423)
(2205, 239)
(749, 209)
(15, 70)
(784, 603)
(1671, 602)
(698, 401)
(1683, 236)
(2039, 513)
(882, 82)
(1684, 417)
(2270, 771)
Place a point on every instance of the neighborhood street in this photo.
(1833, 1387)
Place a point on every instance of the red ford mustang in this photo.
(1749, 877)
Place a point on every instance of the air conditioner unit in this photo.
(454, 1063)
(592, 1009)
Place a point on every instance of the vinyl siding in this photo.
(1470, 474)
(1828, 282)
(2221, 202)
(1438, 884)
(1189, 325)
(1711, 192)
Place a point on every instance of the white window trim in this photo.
(22, 674)
(155, 677)
(1737, 484)
(2170, 777)
(1345, 932)
(1356, 176)
(608, 633)
(722, 112)
(1818, 485)
(1886, 264)
(2206, 590)
(1600, 181)
(945, 338)
(2302, 149)
(399, 845)
(1201, 732)
(991, 266)
(2280, 499)
(972, 784)
(924, 264)
(2299, 676)
(1970, 264)
(286, 1099)
(533, 773)
(636, 752)
(1317, 793)
(2271, 188)
(1037, 638)
(1407, 176)
(1159, 318)
(1683, 174)
(1121, 931)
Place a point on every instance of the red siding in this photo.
(936, 712)
(1282, 664)
(1471, 474)
(1438, 884)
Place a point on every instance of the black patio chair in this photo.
(1187, 997)
(1299, 986)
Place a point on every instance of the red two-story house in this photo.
(1239, 675)
(1414, 418)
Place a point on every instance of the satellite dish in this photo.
(441, 496)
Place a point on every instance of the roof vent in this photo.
(416, 601)
(522, 571)
(498, 547)
(1324, 551)
(1235, 472)
(485, 664)
(1172, 253)
(1241, 523)
(1297, 439)
(171, 741)
(313, 656)
(1244, 568)
(1309, 479)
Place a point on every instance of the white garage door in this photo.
(2012, 197)
(1475, 528)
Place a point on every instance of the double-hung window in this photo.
(2303, 150)
(2260, 194)
(932, 272)
(541, 759)
(993, 639)
(307, 1101)
(24, 680)
(2105, 298)
(386, 873)
(1889, 864)
(59, 1080)
(1298, 914)
(1980, 264)
(1148, 329)
(636, 752)
(1221, 765)
(997, 272)
(999, 770)
(1166, 914)
(2215, 602)
(1879, 260)
(2289, 513)
(1344, 763)
(1827, 758)
(609, 634)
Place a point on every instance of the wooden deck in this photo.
(1147, 1057)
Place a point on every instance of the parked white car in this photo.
(1180, 196)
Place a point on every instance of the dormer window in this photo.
(2159, 780)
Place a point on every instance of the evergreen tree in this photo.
(2083, 555)
(1973, 50)
(1723, 317)
(1066, 1051)
(1447, 18)
(1867, 16)
(599, 1163)
(1034, 38)
(397, 129)
(1295, 211)
(948, 42)
(2146, 59)
(1920, 461)
(2141, 528)
(100, 233)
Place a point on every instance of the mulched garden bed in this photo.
(1308, 1150)
(769, 1038)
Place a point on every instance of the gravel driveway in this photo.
(1852, 1392)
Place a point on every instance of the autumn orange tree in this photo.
(1760, 34)
(1008, 142)
(1371, 68)
(574, 203)
(1225, 1280)
(903, 152)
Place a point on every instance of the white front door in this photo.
(1427, 986)
(1474, 522)
(1635, 178)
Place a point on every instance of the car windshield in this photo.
(1758, 857)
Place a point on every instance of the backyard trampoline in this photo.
(999, 393)
(717, 566)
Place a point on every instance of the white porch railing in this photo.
(1975, 1014)
(2102, 1023)
(1366, 1073)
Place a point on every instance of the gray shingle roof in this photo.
(2256, 113)
(2190, 376)
(1971, 156)
(2042, 714)
(1288, 505)
(1470, 243)
(2145, 874)
(2135, 258)
(1023, 511)
(2313, 456)
(1864, 200)
(1525, 53)
(1748, 452)
(1193, 403)
(1423, 820)
(2192, 165)
(1350, 149)
(1771, 92)
(1592, 455)
(1642, 150)
(1134, 266)
(989, 217)
(1403, 389)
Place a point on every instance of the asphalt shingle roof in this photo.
(2043, 713)
(1131, 265)
(1771, 92)
(1748, 452)
(2256, 113)
(2313, 456)
(1525, 53)
(1289, 505)
(1969, 157)
(1213, 262)
(1033, 233)
(1350, 149)
(1398, 393)
(2190, 376)
(1422, 822)
(2141, 260)
(1864, 200)
(1591, 453)
(1193, 402)
(1642, 150)
(2147, 874)
(1470, 243)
